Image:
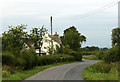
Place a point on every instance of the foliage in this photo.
(20, 64)
(100, 54)
(112, 55)
(87, 48)
(72, 38)
(103, 68)
(90, 57)
(67, 49)
(77, 55)
(37, 36)
(12, 40)
(5, 72)
(116, 37)
(30, 57)
(50, 59)
(59, 50)
(101, 71)
(8, 59)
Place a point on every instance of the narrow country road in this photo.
(63, 72)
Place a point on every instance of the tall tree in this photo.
(37, 36)
(73, 38)
(12, 40)
(116, 37)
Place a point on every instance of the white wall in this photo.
(47, 43)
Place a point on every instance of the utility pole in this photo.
(51, 36)
(119, 14)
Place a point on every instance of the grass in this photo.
(89, 57)
(27, 73)
(101, 71)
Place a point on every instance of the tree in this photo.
(37, 36)
(116, 37)
(12, 40)
(73, 38)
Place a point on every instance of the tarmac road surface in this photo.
(71, 71)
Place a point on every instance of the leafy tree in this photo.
(12, 40)
(37, 36)
(73, 38)
(67, 49)
(59, 50)
(116, 37)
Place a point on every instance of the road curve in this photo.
(71, 71)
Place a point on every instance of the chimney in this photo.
(55, 34)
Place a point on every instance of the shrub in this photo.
(5, 72)
(20, 64)
(59, 50)
(46, 60)
(8, 59)
(8, 70)
(103, 67)
(67, 49)
(77, 55)
(100, 54)
(50, 59)
(112, 55)
(30, 57)
(65, 58)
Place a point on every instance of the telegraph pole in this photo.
(51, 36)
(119, 14)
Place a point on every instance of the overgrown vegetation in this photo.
(109, 69)
(17, 57)
(101, 71)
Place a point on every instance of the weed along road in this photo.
(71, 71)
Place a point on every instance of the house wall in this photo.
(47, 43)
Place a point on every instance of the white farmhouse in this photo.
(46, 43)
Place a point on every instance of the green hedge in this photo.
(29, 59)
(77, 55)
(8, 59)
(113, 55)
(50, 59)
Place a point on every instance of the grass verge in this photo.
(101, 71)
(27, 73)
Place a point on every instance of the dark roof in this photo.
(30, 42)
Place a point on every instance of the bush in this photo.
(100, 54)
(113, 55)
(8, 59)
(59, 50)
(77, 55)
(30, 57)
(67, 50)
(65, 58)
(50, 59)
(5, 71)
(46, 60)
(103, 67)
(20, 63)
(8, 69)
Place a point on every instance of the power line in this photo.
(99, 9)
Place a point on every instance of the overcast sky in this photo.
(35, 13)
